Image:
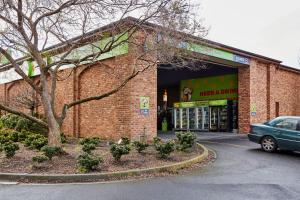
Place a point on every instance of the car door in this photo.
(288, 134)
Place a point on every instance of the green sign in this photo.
(120, 44)
(218, 103)
(253, 109)
(144, 105)
(192, 104)
(209, 88)
(218, 53)
(210, 51)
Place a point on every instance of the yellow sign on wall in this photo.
(144, 105)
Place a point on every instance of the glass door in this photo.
(200, 118)
(192, 118)
(184, 118)
(205, 118)
(176, 118)
(223, 118)
(214, 118)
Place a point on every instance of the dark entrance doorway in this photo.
(197, 100)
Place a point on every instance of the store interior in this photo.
(202, 97)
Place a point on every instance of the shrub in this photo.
(3, 139)
(88, 147)
(165, 149)
(51, 151)
(140, 146)
(40, 159)
(88, 162)
(23, 135)
(118, 150)
(63, 138)
(93, 140)
(125, 141)
(156, 140)
(14, 136)
(186, 140)
(35, 141)
(9, 121)
(23, 124)
(39, 143)
(18, 123)
(10, 149)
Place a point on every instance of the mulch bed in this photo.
(66, 164)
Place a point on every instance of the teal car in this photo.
(280, 133)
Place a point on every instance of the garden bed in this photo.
(67, 163)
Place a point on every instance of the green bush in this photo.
(165, 149)
(51, 151)
(10, 149)
(156, 140)
(40, 159)
(88, 162)
(93, 140)
(125, 141)
(3, 139)
(186, 140)
(9, 121)
(88, 147)
(35, 141)
(39, 143)
(18, 123)
(23, 135)
(14, 136)
(8, 135)
(140, 146)
(118, 150)
(23, 124)
(63, 138)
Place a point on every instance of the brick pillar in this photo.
(244, 99)
(145, 84)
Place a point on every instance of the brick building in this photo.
(261, 89)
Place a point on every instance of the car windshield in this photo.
(274, 121)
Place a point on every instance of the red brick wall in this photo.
(261, 85)
(285, 89)
(258, 91)
(244, 99)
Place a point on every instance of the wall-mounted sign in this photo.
(253, 109)
(121, 48)
(218, 53)
(192, 104)
(144, 105)
(210, 88)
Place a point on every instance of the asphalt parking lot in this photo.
(241, 171)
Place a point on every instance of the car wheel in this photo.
(268, 144)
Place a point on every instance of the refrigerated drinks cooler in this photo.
(220, 115)
(196, 118)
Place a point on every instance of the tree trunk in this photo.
(53, 132)
(53, 125)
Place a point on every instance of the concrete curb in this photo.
(103, 176)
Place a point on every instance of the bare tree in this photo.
(26, 99)
(30, 27)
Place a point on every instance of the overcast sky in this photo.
(267, 27)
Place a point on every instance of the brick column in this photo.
(244, 99)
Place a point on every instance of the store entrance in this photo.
(202, 100)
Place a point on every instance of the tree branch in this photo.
(10, 110)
